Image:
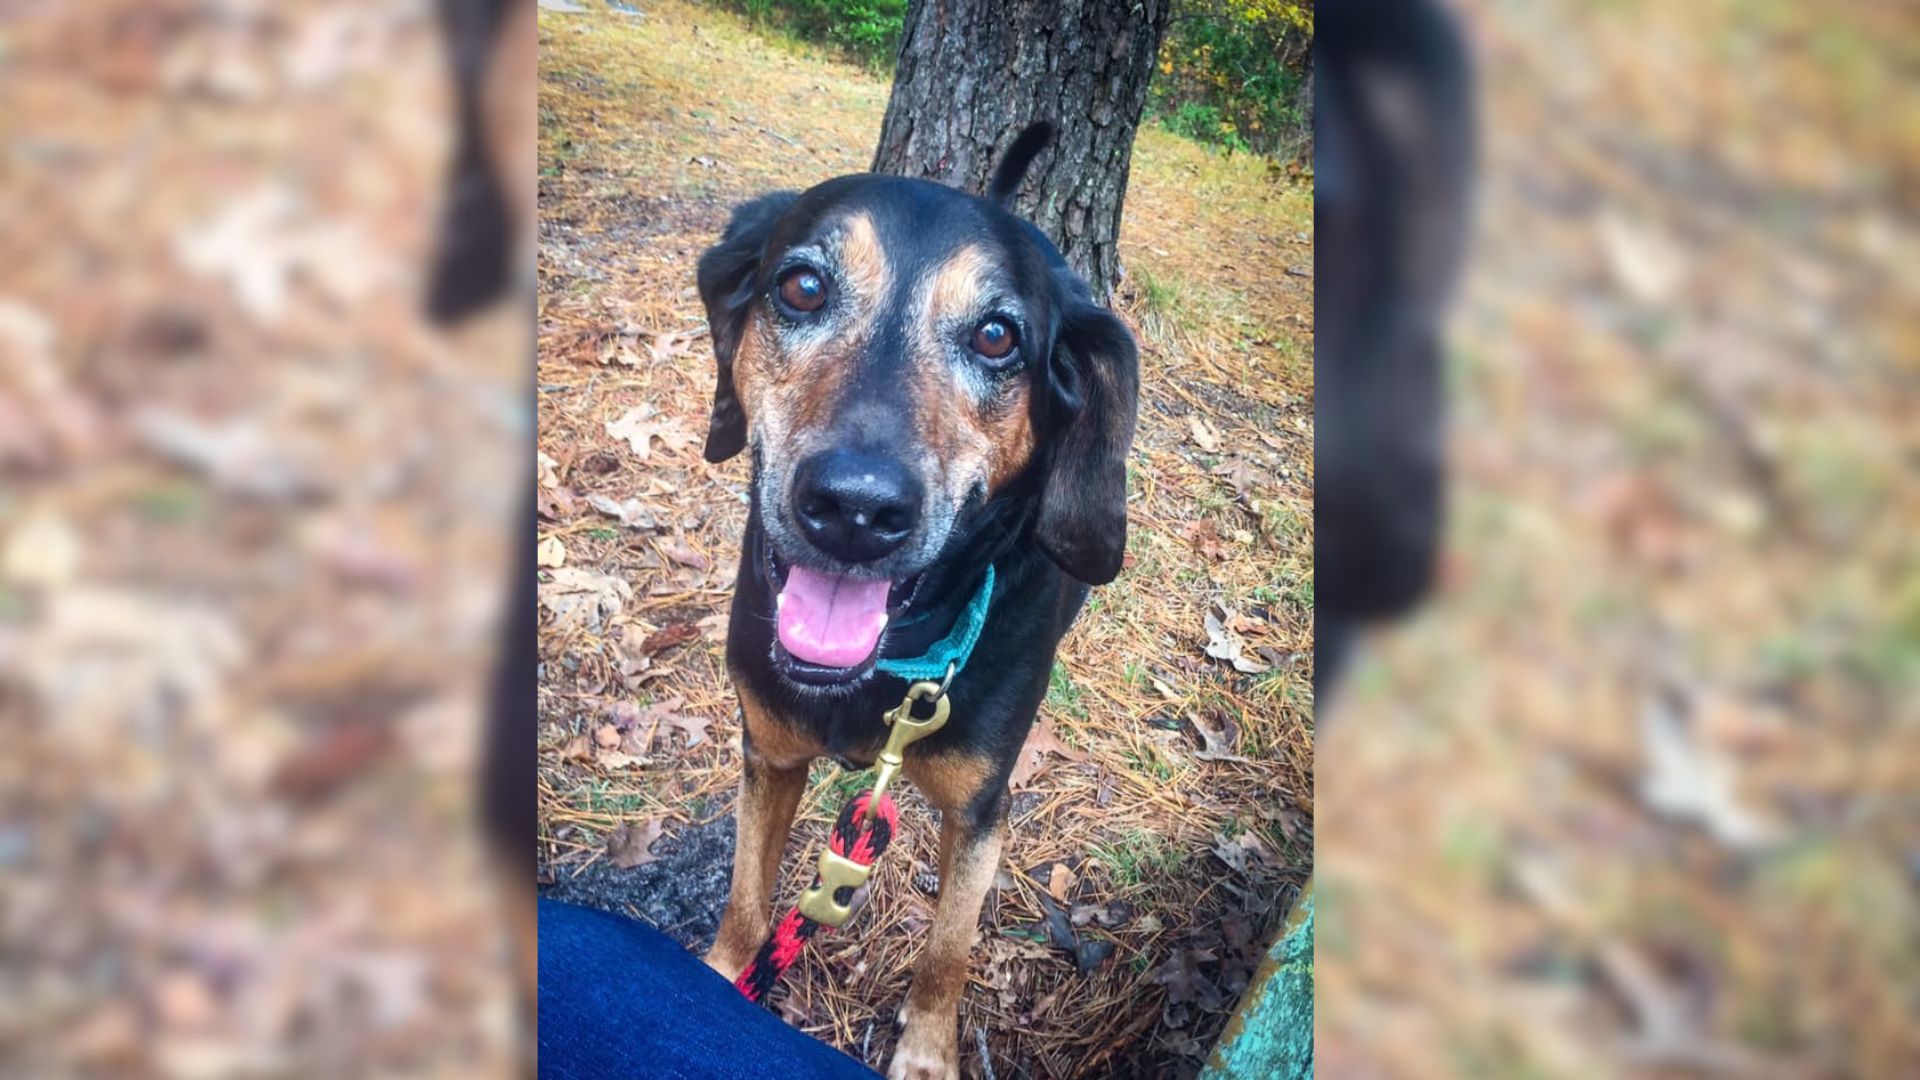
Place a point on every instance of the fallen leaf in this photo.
(1219, 737)
(669, 636)
(1041, 741)
(1108, 916)
(551, 553)
(642, 723)
(577, 747)
(1186, 981)
(693, 727)
(632, 513)
(614, 349)
(628, 847)
(1688, 779)
(640, 425)
(668, 346)
(616, 759)
(1245, 853)
(583, 598)
(1243, 475)
(679, 552)
(1204, 434)
(1060, 881)
(554, 503)
(1223, 643)
(1204, 537)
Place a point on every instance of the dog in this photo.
(926, 391)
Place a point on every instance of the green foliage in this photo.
(1234, 73)
(867, 30)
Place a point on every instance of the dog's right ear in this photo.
(728, 275)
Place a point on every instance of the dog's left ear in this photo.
(728, 275)
(1095, 377)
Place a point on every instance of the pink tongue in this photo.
(830, 620)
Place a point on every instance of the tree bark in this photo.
(972, 74)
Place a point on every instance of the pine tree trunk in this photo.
(973, 74)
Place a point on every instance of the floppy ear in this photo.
(1095, 371)
(728, 274)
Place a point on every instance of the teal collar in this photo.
(953, 649)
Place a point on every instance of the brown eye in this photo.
(993, 339)
(803, 290)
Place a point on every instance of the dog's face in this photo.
(900, 356)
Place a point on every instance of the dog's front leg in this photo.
(969, 857)
(769, 793)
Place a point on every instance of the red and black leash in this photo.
(855, 838)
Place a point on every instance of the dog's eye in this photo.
(993, 339)
(803, 290)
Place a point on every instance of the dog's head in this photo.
(901, 356)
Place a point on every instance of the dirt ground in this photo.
(1167, 812)
(1636, 796)
(253, 543)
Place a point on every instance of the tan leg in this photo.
(969, 857)
(769, 794)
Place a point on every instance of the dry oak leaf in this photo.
(640, 425)
(1204, 536)
(1060, 881)
(629, 846)
(1219, 737)
(1243, 475)
(632, 513)
(551, 553)
(1203, 434)
(582, 597)
(1224, 643)
(1040, 742)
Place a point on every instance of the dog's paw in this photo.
(724, 962)
(928, 1050)
(911, 1064)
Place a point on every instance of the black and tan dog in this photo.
(927, 391)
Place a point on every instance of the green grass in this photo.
(1165, 303)
(1140, 859)
(1149, 763)
(1062, 696)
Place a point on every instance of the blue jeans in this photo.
(619, 999)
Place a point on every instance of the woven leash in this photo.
(854, 838)
(857, 839)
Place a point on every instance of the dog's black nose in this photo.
(856, 507)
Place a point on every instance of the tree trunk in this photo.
(973, 74)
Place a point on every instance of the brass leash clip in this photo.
(838, 872)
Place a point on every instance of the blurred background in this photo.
(253, 539)
(1638, 791)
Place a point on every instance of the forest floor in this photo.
(1165, 806)
(1635, 796)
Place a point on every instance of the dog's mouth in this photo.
(829, 625)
